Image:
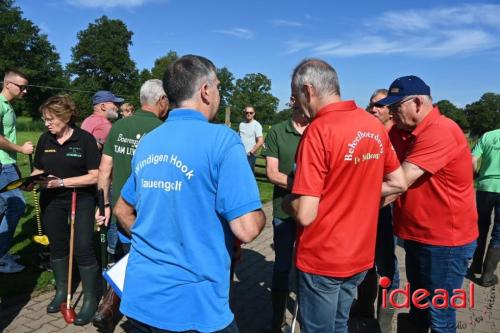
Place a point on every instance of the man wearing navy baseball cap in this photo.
(436, 216)
(105, 110)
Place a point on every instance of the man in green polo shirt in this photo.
(281, 145)
(115, 168)
(12, 204)
(487, 199)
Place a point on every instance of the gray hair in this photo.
(186, 75)
(319, 74)
(151, 92)
(382, 91)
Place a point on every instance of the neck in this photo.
(66, 132)
(150, 108)
(197, 106)
(5, 93)
(388, 124)
(299, 121)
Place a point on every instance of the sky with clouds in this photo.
(453, 45)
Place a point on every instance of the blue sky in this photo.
(453, 45)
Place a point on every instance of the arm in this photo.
(125, 213)
(103, 182)
(474, 163)
(258, 144)
(54, 182)
(26, 148)
(246, 227)
(411, 173)
(275, 176)
(303, 208)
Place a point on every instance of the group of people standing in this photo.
(346, 181)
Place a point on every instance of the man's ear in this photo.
(205, 93)
(309, 91)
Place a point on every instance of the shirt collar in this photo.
(429, 119)
(143, 113)
(185, 114)
(3, 99)
(338, 106)
(290, 128)
(75, 136)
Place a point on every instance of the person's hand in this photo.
(49, 182)
(27, 148)
(27, 188)
(103, 220)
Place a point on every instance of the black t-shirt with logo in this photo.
(75, 157)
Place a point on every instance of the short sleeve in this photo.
(237, 191)
(477, 151)
(37, 161)
(258, 130)
(432, 149)
(92, 155)
(271, 147)
(108, 145)
(311, 164)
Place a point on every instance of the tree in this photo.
(25, 48)
(101, 61)
(226, 89)
(456, 114)
(484, 115)
(161, 65)
(255, 90)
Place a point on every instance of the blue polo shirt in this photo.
(189, 179)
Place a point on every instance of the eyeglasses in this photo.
(249, 112)
(292, 100)
(22, 87)
(48, 120)
(395, 107)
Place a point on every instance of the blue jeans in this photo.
(12, 207)
(138, 327)
(486, 202)
(432, 267)
(324, 302)
(284, 232)
(251, 160)
(112, 235)
(385, 250)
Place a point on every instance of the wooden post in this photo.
(228, 116)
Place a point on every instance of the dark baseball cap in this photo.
(103, 96)
(405, 86)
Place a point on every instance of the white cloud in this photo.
(439, 32)
(237, 32)
(286, 23)
(110, 3)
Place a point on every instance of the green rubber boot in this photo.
(88, 275)
(60, 269)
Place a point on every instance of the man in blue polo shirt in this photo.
(184, 204)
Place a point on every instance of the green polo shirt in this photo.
(488, 150)
(7, 130)
(122, 142)
(282, 142)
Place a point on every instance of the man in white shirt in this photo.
(251, 134)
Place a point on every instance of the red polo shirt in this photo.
(341, 159)
(440, 207)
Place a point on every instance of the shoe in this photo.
(60, 268)
(88, 275)
(10, 266)
(11, 257)
(489, 278)
(108, 312)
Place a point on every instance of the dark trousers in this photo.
(284, 238)
(56, 215)
(487, 202)
(138, 327)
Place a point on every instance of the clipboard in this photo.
(26, 181)
(116, 275)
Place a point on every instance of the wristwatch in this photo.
(61, 182)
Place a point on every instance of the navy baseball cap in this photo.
(405, 86)
(103, 96)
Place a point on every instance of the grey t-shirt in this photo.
(249, 132)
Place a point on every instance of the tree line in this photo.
(101, 60)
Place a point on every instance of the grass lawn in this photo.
(32, 279)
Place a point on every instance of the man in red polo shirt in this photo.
(343, 161)
(436, 216)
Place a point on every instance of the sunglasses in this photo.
(21, 87)
(249, 112)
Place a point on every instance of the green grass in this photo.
(34, 280)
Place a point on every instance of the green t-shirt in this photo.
(488, 150)
(282, 142)
(122, 142)
(7, 130)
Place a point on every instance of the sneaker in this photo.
(7, 266)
